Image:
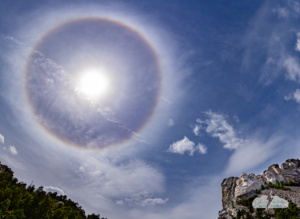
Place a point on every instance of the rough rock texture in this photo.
(228, 190)
(292, 195)
(287, 171)
(247, 186)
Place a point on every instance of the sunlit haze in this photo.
(92, 84)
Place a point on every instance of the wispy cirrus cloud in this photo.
(291, 8)
(207, 196)
(128, 184)
(154, 202)
(256, 151)
(279, 57)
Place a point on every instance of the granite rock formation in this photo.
(283, 181)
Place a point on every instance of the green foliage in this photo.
(246, 202)
(232, 203)
(291, 212)
(279, 185)
(19, 201)
(93, 216)
(290, 183)
(239, 214)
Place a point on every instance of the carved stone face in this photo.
(270, 176)
(243, 179)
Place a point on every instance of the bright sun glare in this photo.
(92, 84)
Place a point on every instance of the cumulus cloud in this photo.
(1, 139)
(54, 189)
(293, 69)
(182, 146)
(12, 149)
(202, 148)
(153, 202)
(185, 145)
(217, 126)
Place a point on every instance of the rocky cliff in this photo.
(282, 183)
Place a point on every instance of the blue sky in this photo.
(195, 91)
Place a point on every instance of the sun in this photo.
(92, 84)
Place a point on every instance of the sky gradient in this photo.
(197, 91)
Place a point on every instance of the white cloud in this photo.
(171, 122)
(182, 146)
(119, 202)
(291, 9)
(295, 7)
(185, 145)
(274, 43)
(293, 69)
(54, 189)
(127, 183)
(153, 202)
(297, 96)
(297, 47)
(218, 127)
(202, 148)
(1, 139)
(13, 150)
(197, 129)
(204, 201)
(294, 96)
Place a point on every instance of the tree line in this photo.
(18, 200)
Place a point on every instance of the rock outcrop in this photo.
(283, 181)
(228, 191)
